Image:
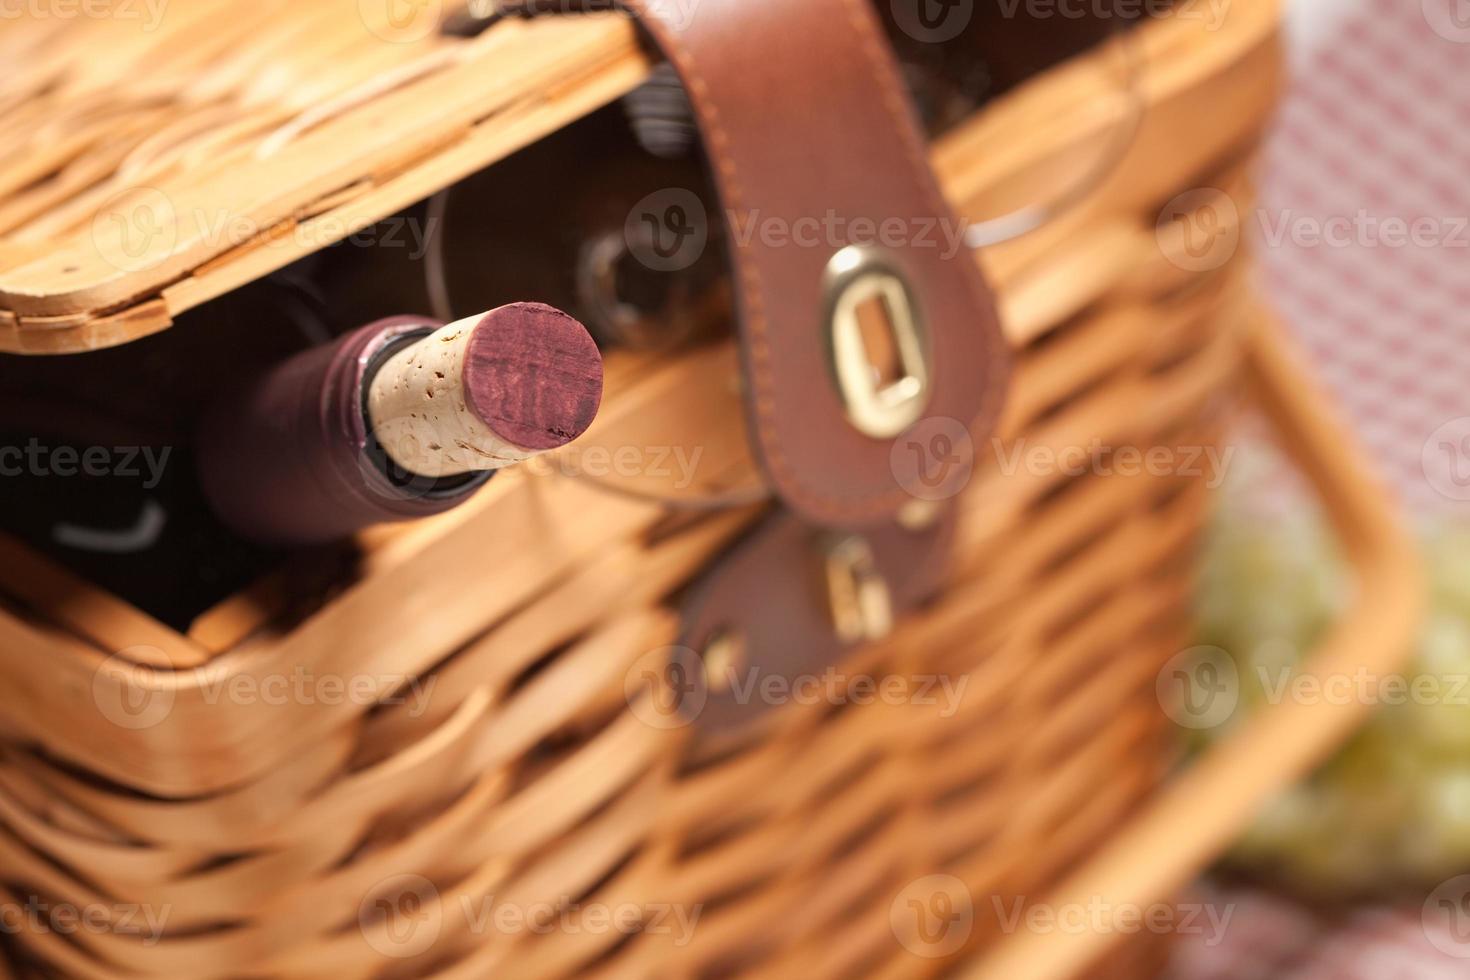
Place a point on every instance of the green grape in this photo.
(1448, 552)
(1268, 668)
(1287, 817)
(1436, 842)
(1339, 852)
(1394, 805)
(1442, 722)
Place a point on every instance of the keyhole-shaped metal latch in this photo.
(877, 342)
(862, 608)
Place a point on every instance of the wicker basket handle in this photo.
(1200, 812)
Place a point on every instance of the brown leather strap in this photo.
(770, 595)
(810, 134)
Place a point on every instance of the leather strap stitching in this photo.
(731, 190)
(733, 194)
(995, 357)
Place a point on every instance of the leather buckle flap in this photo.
(861, 313)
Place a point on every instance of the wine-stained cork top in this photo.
(533, 375)
(486, 391)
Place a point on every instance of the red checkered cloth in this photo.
(1363, 234)
(1267, 937)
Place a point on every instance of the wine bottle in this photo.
(399, 419)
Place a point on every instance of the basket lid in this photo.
(128, 196)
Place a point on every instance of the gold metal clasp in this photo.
(862, 608)
(877, 342)
(724, 656)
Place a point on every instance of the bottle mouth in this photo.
(384, 474)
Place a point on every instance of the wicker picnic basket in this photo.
(358, 838)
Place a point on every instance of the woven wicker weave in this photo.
(272, 836)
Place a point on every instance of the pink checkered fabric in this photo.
(1363, 235)
(1263, 935)
(1375, 127)
(1267, 937)
(1383, 944)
